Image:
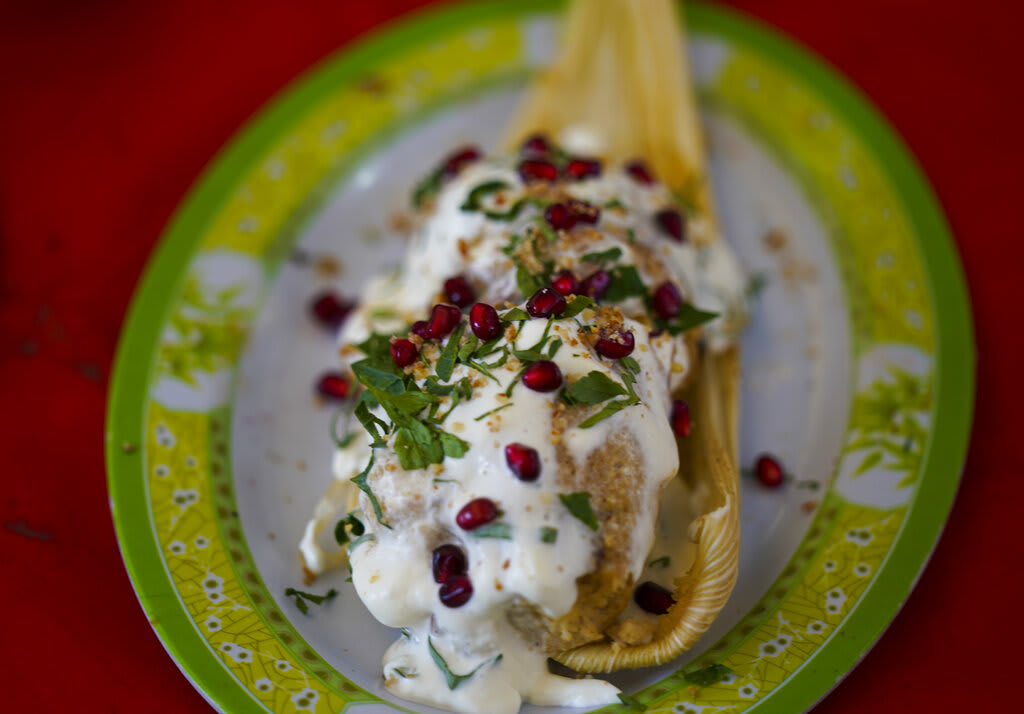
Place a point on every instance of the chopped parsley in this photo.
(548, 534)
(454, 680)
(605, 256)
(662, 562)
(493, 530)
(492, 411)
(301, 598)
(594, 388)
(346, 525)
(362, 485)
(478, 193)
(579, 506)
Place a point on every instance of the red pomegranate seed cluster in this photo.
(680, 418)
(537, 170)
(458, 291)
(653, 598)
(565, 282)
(333, 385)
(535, 144)
(523, 461)
(329, 309)
(666, 300)
(640, 172)
(584, 212)
(458, 159)
(545, 303)
(616, 346)
(543, 376)
(560, 217)
(404, 352)
(671, 223)
(476, 513)
(484, 321)
(449, 566)
(596, 285)
(769, 471)
(443, 319)
(581, 168)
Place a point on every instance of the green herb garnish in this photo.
(480, 192)
(515, 315)
(346, 524)
(450, 677)
(625, 283)
(492, 411)
(594, 388)
(661, 562)
(688, 318)
(575, 306)
(446, 363)
(362, 485)
(579, 506)
(548, 534)
(605, 256)
(359, 541)
(301, 598)
(493, 530)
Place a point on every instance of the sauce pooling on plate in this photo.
(517, 409)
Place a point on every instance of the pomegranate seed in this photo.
(458, 159)
(484, 321)
(443, 319)
(543, 376)
(680, 418)
(421, 328)
(545, 303)
(537, 170)
(535, 144)
(616, 348)
(447, 560)
(329, 309)
(476, 513)
(456, 591)
(332, 385)
(666, 300)
(560, 217)
(580, 169)
(596, 285)
(640, 172)
(671, 224)
(653, 598)
(584, 212)
(403, 352)
(524, 461)
(458, 292)
(769, 471)
(565, 282)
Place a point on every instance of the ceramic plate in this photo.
(858, 365)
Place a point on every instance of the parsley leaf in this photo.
(662, 562)
(493, 530)
(478, 193)
(515, 314)
(446, 363)
(606, 411)
(302, 597)
(362, 485)
(708, 676)
(605, 256)
(527, 282)
(548, 534)
(352, 524)
(625, 283)
(450, 677)
(688, 318)
(579, 506)
(575, 306)
(594, 388)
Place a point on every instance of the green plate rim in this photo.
(955, 352)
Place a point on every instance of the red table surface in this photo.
(110, 109)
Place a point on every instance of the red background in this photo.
(110, 109)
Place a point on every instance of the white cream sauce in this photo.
(391, 571)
